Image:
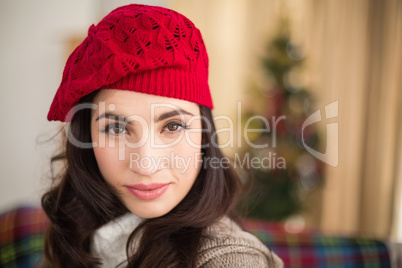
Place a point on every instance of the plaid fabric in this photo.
(312, 249)
(21, 237)
(22, 229)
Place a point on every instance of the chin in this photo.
(149, 211)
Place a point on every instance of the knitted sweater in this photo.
(229, 245)
(233, 247)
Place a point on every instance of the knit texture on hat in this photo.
(141, 48)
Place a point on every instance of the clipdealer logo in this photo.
(330, 156)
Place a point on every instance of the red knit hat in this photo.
(139, 48)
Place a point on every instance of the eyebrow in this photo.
(172, 113)
(160, 118)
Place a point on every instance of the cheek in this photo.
(188, 159)
(103, 159)
(108, 164)
(106, 156)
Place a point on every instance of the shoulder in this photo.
(229, 246)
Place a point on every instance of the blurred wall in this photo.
(32, 53)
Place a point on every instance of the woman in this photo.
(136, 190)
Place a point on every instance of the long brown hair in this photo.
(80, 201)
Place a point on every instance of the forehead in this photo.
(131, 102)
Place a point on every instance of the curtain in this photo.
(355, 48)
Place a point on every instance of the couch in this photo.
(22, 230)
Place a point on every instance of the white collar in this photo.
(109, 241)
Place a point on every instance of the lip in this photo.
(148, 191)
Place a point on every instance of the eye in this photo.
(175, 126)
(115, 129)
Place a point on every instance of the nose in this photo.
(145, 159)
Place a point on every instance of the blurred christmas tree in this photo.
(287, 172)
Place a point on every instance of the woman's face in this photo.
(148, 148)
